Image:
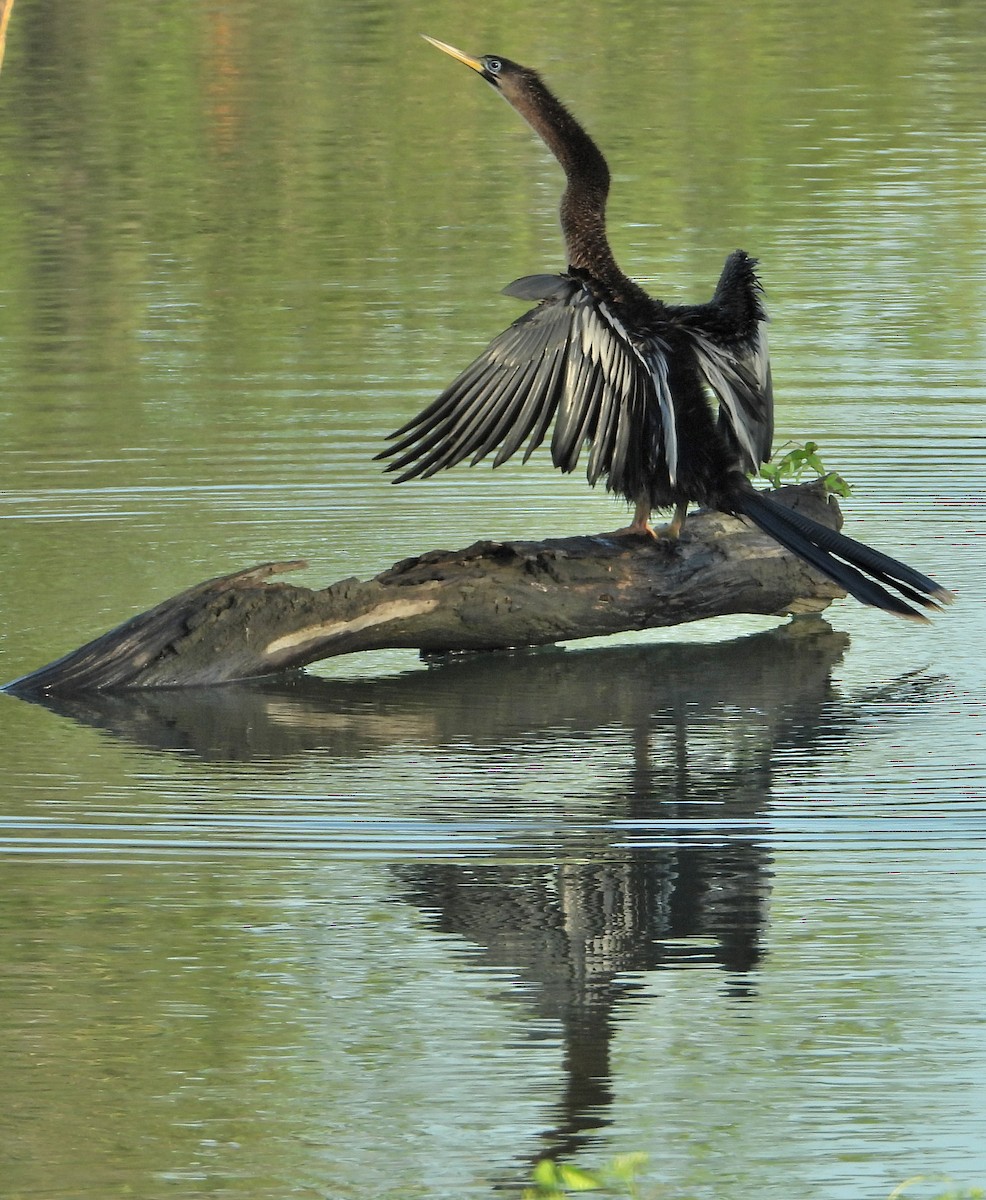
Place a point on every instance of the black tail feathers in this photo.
(864, 572)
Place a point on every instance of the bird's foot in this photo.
(638, 529)
(641, 526)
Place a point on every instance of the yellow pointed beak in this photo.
(456, 54)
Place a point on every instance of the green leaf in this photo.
(545, 1174)
(578, 1180)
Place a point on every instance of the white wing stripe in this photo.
(652, 358)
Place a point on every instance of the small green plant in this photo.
(619, 1178)
(790, 467)
(616, 1178)
(952, 1194)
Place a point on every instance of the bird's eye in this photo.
(493, 65)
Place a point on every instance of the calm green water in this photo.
(396, 930)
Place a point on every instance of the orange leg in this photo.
(641, 523)
(677, 523)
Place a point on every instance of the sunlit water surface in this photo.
(400, 930)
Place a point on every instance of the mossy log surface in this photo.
(491, 595)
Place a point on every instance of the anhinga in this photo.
(632, 378)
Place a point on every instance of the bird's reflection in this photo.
(704, 725)
(579, 937)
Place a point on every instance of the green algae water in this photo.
(397, 929)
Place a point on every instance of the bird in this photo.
(673, 402)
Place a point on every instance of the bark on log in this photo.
(492, 595)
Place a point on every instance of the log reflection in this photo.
(773, 679)
(687, 738)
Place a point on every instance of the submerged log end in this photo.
(123, 656)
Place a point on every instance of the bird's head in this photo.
(505, 76)
(584, 201)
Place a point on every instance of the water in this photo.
(398, 930)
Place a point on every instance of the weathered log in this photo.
(489, 596)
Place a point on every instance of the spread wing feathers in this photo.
(730, 339)
(569, 359)
(740, 377)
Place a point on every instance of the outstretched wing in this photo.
(569, 359)
(730, 339)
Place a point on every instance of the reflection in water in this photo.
(764, 685)
(577, 933)
(702, 724)
(678, 739)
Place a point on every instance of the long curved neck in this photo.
(583, 205)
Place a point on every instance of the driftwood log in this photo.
(492, 595)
